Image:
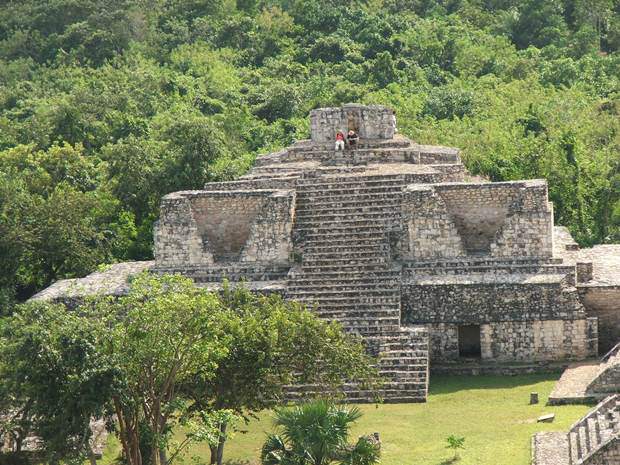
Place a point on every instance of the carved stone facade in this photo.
(370, 122)
(391, 240)
(204, 228)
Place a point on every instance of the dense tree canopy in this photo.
(166, 358)
(107, 105)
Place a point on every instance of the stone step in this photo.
(338, 302)
(352, 220)
(349, 203)
(341, 280)
(592, 433)
(405, 346)
(343, 268)
(336, 286)
(374, 331)
(324, 309)
(355, 314)
(366, 324)
(359, 198)
(575, 447)
(403, 355)
(334, 236)
(376, 261)
(328, 183)
(359, 291)
(349, 188)
(348, 274)
(346, 302)
(345, 229)
(403, 365)
(352, 298)
(337, 242)
(348, 305)
(347, 226)
(598, 426)
(326, 254)
(335, 211)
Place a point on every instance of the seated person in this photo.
(339, 140)
(352, 138)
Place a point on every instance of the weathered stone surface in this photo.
(207, 227)
(593, 440)
(550, 449)
(113, 280)
(389, 240)
(370, 122)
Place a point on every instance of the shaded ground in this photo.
(491, 412)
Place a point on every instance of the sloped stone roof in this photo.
(114, 280)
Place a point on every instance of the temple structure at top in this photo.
(397, 242)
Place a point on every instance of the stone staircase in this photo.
(593, 440)
(342, 229)
(592, 437)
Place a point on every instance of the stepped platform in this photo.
(399, 244)
(572, 386)
(593, 440)
(589, 381)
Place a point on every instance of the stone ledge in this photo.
(113, 280)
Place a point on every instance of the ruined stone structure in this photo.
(399, 244)
(593, 440)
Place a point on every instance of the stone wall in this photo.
(444, 342)
(539, 340)
(370, 122)
(463, 301)
(450, 220)
(519, 341)
(603, 302)
(207, 227)
(430, 232)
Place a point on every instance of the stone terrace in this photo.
(391, 239)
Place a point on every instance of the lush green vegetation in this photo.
(317, 433)
(167, 357)
(106, 105)
(491, 412)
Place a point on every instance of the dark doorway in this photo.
(469, 341)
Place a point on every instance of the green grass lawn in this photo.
(491, 412)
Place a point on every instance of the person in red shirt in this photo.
(339, 140)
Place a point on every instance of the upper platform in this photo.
(370, 122)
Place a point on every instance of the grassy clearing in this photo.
(492, 412)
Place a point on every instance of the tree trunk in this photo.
(220, 444)
(92, 458)
(213, 449)
(163, 459)
(217, 450)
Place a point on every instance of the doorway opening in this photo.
(469, 341)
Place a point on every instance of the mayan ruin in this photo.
(438, 271)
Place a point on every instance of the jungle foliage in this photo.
(107, 105)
